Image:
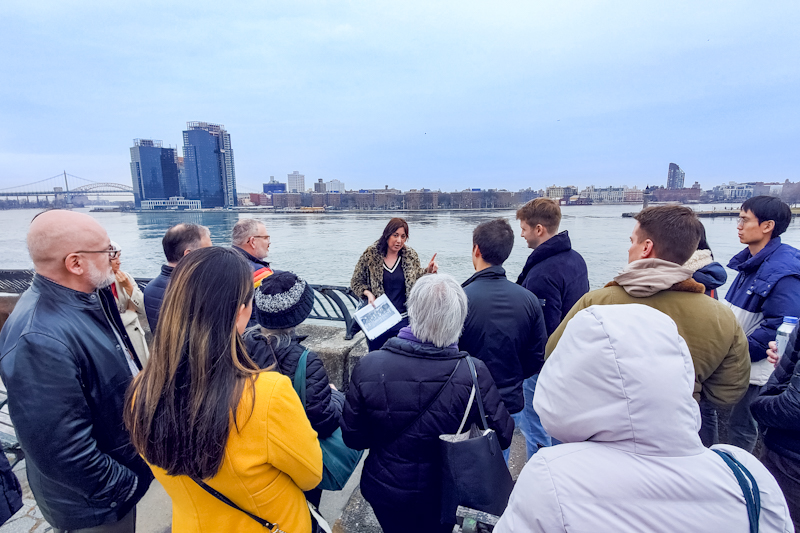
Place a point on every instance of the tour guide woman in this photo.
(389, 267)
(202, 410)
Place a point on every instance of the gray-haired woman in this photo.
(403, 396)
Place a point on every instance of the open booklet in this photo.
(376, 320)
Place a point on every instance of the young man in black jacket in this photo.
(556, 274)
(777, 411)
(505, 327)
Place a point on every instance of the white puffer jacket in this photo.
(618, 392)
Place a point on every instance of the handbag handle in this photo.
(273, 528)
(752, 496)
(478, 391)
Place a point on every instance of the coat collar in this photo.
(556, 244)
(249, 257)
(166, 270)
(744, 262)
(493, 272)
(421, 350)
(52, 290)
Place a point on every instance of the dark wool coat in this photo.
(323, 404)
(389, 388)
(557, 275)
(777, 408)
(63, 344)
(504, 329)
(368, 274)
(154, 295)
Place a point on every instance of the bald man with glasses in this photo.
(66, 362)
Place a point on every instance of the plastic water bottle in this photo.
(782, 338)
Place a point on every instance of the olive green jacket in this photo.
(716, 341)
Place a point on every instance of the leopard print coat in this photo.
(368, 274)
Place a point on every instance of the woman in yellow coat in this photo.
(202, 410)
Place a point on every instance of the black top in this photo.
(394, 285)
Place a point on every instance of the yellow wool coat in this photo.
(268, 464)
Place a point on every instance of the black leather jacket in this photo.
(66, 373)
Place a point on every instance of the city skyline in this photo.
(451, 93)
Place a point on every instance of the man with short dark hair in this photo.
(505, 326)
(766, 289)
(66, 362)
(178, 241)
(557, 275)
(715, 339)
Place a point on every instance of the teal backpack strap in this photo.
(300, 377)
(752, 496)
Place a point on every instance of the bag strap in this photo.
(430, 404)
(466, 412)
(300, 377)
(224, 499)
(478, 391)
(752, 496)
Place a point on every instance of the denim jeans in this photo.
(742, 427)
(709, 431)
(531, 425)
(519, 422)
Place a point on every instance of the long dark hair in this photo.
(179, 408)
(393, 225)
(703, 244)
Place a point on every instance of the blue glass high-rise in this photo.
(208, 165)
(154, 171)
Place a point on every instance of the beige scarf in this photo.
(646, 277)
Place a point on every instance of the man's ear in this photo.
(186, 251)
(540, 230)
(476, 251)
(647, 251)
(767, 226)
(74, 264)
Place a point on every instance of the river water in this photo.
(324, 248)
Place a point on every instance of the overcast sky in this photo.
(442, 94)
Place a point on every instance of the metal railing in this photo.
(331, 302)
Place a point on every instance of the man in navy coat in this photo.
(556, 274)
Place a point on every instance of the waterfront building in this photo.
(154, 171)
(634, 195)
(737, 191)
(319, 186)
(603, 194)
(260, 199)
(208, 158)
(173, 203)
(273, 186)
(557, 192)
(297, 182)
(675, 177)
(289, 199)
(334, 186)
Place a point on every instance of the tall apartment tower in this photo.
(335, 186)
(297, 182)
(675, 177)
(208, 162)
(319, 186)
(154, 171)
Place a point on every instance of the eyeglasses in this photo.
(113, 253)
(261, 237)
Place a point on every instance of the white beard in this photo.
(100, 279)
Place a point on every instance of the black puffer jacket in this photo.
(389, 388)
(323, 404)
(504, 329)
(154, 295)
(777, 408)
(66, 374)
